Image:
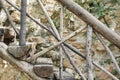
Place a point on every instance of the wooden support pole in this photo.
(23, 23)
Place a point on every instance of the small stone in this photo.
(16, 16)
(20, 51)
(54, 55)
(69, 71)
(3, 16)
(9, 32)
(43, 70)
(38, 39)
(3, 45)
(44, 61)
(66, 76)
(7, 35)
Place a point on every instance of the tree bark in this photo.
(91, 20)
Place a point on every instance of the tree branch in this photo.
(88, 55)
(57, 35)
(104, 70)
(73, 64)
(90, 19)
(109, 52)
(9, 17)
(57, 44)
(50, 20)
(61, 34)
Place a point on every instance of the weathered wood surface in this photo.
(90, 19)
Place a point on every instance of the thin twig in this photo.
(22, 36)
(94, 63)
(73, 64)
(52, 24)
(106, 21)
(57, 44)
(88, 56)
(104, 70)
(109, 52)
(59, 37)
(49, 19)
(9, 17)
(34, 20)
(61, 34)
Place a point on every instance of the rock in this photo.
(42, 46)
(56, 69)
(66, 76)
(16, 16)
(37, 39)
(42, 60)
(7, 35)
(54, 55)
(69, 71)
(9, 32)
(1, 34)
(19, 51)
(3, 45)
(3, 16)
(43, 70)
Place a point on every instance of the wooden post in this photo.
(23, 23)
